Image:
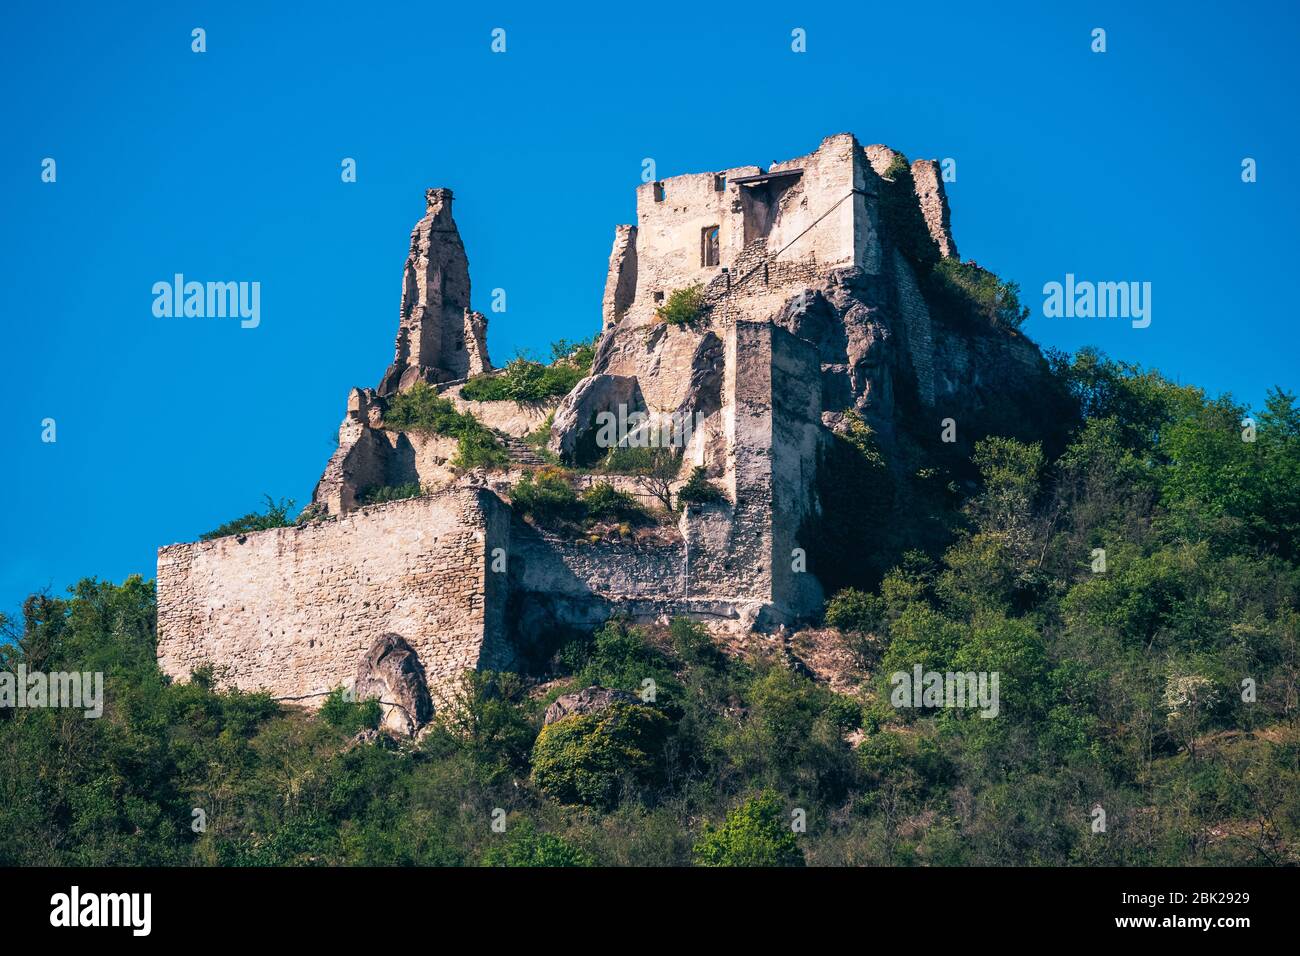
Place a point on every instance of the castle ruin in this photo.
(811, 278)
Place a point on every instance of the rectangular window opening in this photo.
(710, 254)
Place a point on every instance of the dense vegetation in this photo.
(968, 287)
(421, 409)
(1159, 687)
(549, 498)
(524, 380)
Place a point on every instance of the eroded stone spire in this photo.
(439, 338)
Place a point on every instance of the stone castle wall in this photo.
(294, 610)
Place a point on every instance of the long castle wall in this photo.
(293, 610)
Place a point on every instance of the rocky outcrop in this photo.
(589, 700)
(392, 674)
(573, 430)
(369, 456)
(439, 338)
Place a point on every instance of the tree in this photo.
(757, 833)
(587, 758)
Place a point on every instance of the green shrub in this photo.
(620, 655)
(854, 610)
(524, 846)
(683, 307)
(378, 494)
(641, 460)
(539, 436)
(604, 502)
(483, 722)
(588, 759)
(967, 286)
(757, 833)
(698, 490)
(350, 716)
(275, 516)
(547, 496)
(421, 409)
(691, 642)
(523, 380)
(579, 354)
(863, 438)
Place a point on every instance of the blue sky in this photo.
(225, 165)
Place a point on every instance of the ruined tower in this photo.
(439, 338)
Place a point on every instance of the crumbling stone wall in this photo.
(294, 610)
(928, 181)
(917, 327)
(620, 281)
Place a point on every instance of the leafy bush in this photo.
(698, 490)
(484, 722)
(539, 436)
(589, 759)
(579, 354)
(421, 409)
(757, 833)
(547, 496)
(620, 655)
(977, 291)
(683, 306)
(691, 642)
(604, 502)
(350, 716)
(525, 846)
(862, 437)
(523, 380)
(377, 494)
(275, 516)
(854, 610)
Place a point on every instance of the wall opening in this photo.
(659, 192)
(710, 254)
(760, 201)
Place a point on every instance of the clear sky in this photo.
(225, 165)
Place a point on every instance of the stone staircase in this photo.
(520, 452)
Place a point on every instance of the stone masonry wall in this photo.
(293, 610)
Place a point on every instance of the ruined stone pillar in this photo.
(439, 339)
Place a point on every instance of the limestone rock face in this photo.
(392, 672)
(589, 700)
(439, 338)
(575, 418)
